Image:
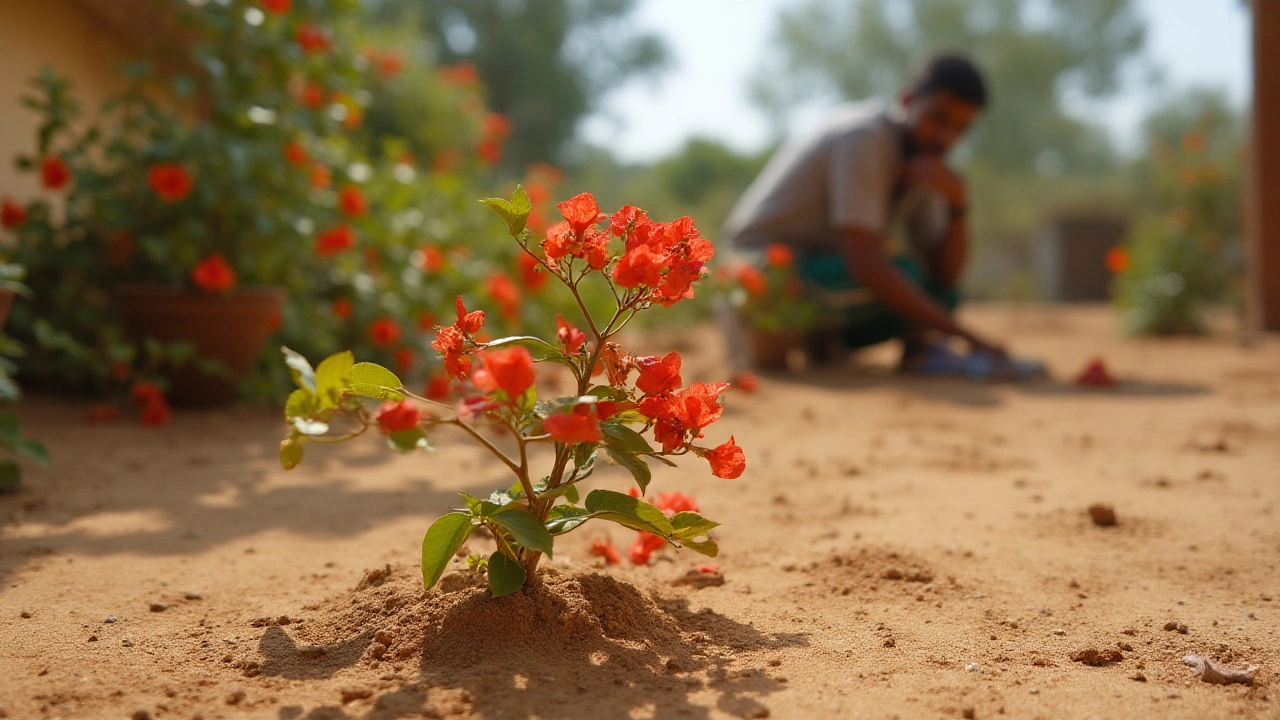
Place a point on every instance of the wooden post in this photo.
(1263, 256)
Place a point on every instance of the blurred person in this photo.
(877, 220)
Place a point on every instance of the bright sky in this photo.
(717, 45)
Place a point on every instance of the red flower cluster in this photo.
(530, 272)
(510, 371)
(54, 173)
(432, 259)
(213, 274)
(579, 425)
(296, 153)
(666, 258)
(12, 214)
(312, 95)
(155, 409)
(752, 280)
(464, 73)
(342, 308)
(437, 388)
(351, 202)
(503, 291)
(779, 256)
(170, 181)
(576, 236)
(384, 332)
(605, 549)
(570, 337)
(277, 7)
(394, 417)
(644, 547)
(452, 341)
(312, 38)
(335, 240)
(727, 461)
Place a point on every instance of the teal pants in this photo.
(871, 322)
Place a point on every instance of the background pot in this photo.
(232, 328)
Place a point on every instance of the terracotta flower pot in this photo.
(772, 350)
(231, 328)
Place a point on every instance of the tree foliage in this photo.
(1035, 54)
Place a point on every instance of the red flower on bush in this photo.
(54, 173)
(496, 125)
(394, 417)
(437, 387)
(351, 202)
(468, 322)
(312, 38)
(213, 274)
(404, 360)
(581, 212)
(432, 259)
(531, 275)
(390, 64)
(503, 291)
(463, 73)
(570, 337)
(489, 152)
(508, 370)
(296, 154)
(277, 7)
(170, 181)
(672, 503)
(312, 95)
(682, 413)
(576, 426)
(426, 320)
(727, 461)
(1117, 260)
(319, 177)
(12, 214)
(384, 332)
(779, 255)
(342, 308)
(752, 280)
(605, 549)
(145, 393)
(658, 374)
(335, 240)
(644, 546)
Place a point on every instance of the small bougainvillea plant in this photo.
(617, 397)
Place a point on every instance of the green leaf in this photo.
(408, 440)
(621, 437)
(375, 381)
(10, 476)
(628, 511)
(503, 208)
(505, 574)
(514, 212)
(331, 378)
(706, 547)
(303, 376)
(584, 456)
(291, 452)
(530, 342)
(563, 518)
(442, 540)
(635, 464)
(571, 494)
(32, 450)
(689, 525)
(473, 503)
(301, 404)
(525, 528)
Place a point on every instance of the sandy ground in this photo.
(897, 548)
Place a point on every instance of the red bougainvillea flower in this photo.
(752, 280)
(727, 461)
(640, 266)
(296, 153)
(319, 177)
(351, 202)
(625, 220)
(170, 181)
(342, 308)
(432, 259)
(277, 7)
(508, 370)
(404, 358)
(531, 275)
(707, 568)
(658, 374)
(672, 503)
(605, 549)
(581, 212)
(497, 125)
(390, 64)
(384, 332)
(426, 320)
(335, 240)
(682, 413)
(468, 322)
(1117, 260)
(394, 417)
(489, 152)
(312, 95)
(213, 274)
(503, 291)
(633, 491)
(12, 214)
(746, 381)
(644, 546)
(463, 73)
(312, 38)
(451, 343)
(570, 337)
(779, 255)
(437, 387)
(475, 407)
(576, 426)
(54, 173)
(156, 413)
(103, 413)
(606, 409)
(145, 393)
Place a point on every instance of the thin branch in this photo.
(485, 442)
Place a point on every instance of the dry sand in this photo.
(897, 548)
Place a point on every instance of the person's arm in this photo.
(873, 271)
(947, 261)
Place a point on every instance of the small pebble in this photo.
(193, 596)
(127, 642)
(110, 619)
(158, 607)
(25, 613)
(972, 667)
(1059, 631)
(1034, 691)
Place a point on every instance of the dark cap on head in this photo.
(954, 73)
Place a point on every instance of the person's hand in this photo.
(932, 172)
(977, 343)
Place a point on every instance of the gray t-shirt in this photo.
(844, 176)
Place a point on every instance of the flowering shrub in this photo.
(770, 299)
(640, 263)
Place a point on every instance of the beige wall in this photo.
(63, 35)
